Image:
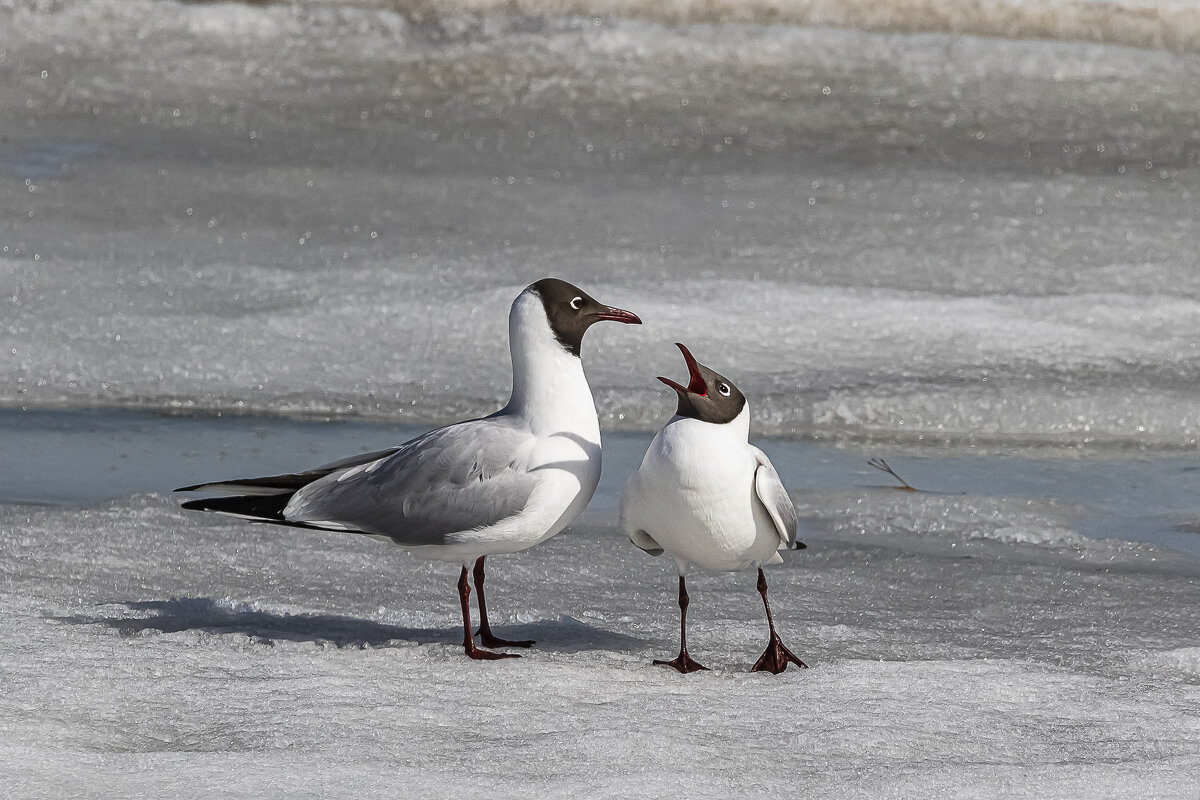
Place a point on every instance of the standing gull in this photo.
(711, 499)
(499, 484)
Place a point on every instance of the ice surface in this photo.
(971, 639)
(148, 652)
(325, 209)
(892, 241)
(1047, 496)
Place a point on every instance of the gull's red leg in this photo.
(682, 662)
(776, 657)
(486, 638)
(464, 595)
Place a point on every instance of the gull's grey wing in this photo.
(645, 541)
(774, 498)
(460, 478)
(630, 501)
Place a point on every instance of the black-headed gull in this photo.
(499, 484)
(711, 499)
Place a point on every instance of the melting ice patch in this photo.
(1182, 663)
(1140, 23)
(950, 519)
(319, 208)
(233, 253)
(45, 158)
(149, 652)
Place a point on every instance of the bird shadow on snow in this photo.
(178, 614)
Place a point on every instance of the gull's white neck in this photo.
(732, 434)
(550, 390)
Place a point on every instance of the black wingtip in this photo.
(799, 545)
(268, 508)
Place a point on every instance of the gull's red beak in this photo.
(618, 315)
(696, 383)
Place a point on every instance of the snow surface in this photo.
(973, 640)
(974, 256)
(323, 209)
(148, 653)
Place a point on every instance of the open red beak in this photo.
(618, 315)
(696, 383)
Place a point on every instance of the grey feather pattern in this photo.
(646, 542)
(365, 458)
(452, 480)
(775, 499)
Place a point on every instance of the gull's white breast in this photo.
(694, 495)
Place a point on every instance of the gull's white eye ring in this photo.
(577, 303)
(723, 388)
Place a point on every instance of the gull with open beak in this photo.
(710, 499)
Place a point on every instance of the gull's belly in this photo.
(713, 525)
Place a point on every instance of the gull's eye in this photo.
(577, 303)
(723, 389)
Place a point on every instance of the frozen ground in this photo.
(148, 653)
(974, 256)
(962, 644)
(325, 209)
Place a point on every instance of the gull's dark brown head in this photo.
(571, 311)
(708, 397)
